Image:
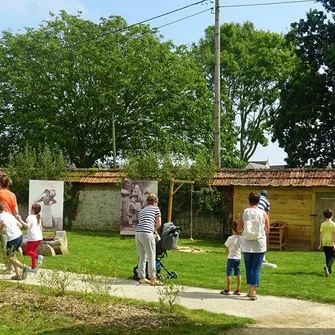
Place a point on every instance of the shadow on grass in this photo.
(300, 273)
(254, 330)
(193, 329)
(95, 233)
(185, 329)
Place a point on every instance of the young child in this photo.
(327, 237)
(11, 227)
(233, 250)
(35, 237)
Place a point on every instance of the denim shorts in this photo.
(233, 264)
(13, 246)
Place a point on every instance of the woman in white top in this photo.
(254, 224)
(35, 237)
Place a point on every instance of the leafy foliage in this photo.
(253, 63)
(64, 83)
(153, 166)
(40, 163)
(304, 125)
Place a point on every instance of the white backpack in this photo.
(253, 228)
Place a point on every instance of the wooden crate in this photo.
(277, 236)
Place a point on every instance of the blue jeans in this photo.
(253, 266)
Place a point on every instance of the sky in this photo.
(17, 14)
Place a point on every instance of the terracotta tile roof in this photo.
(271, 177)
(89, 176)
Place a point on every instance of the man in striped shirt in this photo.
(264, 202)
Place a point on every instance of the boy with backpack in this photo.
(234, 251)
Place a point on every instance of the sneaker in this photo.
(24, 272)
(225, 292)
(326, 271)
(32, 270)
(144, 281)
(40, 259)
(237, 292)
(16, 278)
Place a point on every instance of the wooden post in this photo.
(173, 192)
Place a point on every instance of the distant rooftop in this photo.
(257, 165)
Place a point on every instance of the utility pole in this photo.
(217, 83)
(114, 144)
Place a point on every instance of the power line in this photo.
(184, 18)
(141, 22)
(266, 3)
(238, 5)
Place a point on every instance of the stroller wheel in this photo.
(173, 275)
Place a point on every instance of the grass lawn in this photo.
(299, 274)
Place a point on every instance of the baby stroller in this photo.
(167, 241)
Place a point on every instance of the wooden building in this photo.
(298, 197)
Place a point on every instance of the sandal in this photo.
(253, 297)
(156, 283)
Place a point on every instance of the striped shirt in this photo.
(264, 204)
(147, 219)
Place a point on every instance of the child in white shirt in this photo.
(234, 251)
(11, 226)
(35, 237)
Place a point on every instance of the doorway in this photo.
(323, 201)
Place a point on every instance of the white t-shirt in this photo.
(234, 243)
(11, 229)
(35, 229)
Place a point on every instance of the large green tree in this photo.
(304, 125)
(64, 83)
(253, 64)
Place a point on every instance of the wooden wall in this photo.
(293, 205)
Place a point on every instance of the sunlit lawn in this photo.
(299, 274)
